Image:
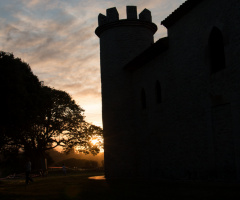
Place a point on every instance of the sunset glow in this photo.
(97, 141)
(57, 39)
(94, 141)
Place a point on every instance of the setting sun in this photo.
(97, 141)
(94, 141)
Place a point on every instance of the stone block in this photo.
(145, 15)
(112, 14)
(131, 12)
(102, 19)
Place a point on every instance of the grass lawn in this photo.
(78, 186)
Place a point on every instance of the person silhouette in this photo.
(28, 168)
(64, 169)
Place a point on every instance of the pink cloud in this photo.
(57, 39)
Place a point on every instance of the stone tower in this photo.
(120, 42)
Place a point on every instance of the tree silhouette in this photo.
(37, 118)
(58, 116)
(81, 139)
(19, 90)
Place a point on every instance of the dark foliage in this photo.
(37, 118)
(19, 91)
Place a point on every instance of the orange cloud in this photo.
(57, 39)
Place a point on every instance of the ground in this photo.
(79, 186)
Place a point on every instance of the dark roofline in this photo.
(150, 53)
(180, 12)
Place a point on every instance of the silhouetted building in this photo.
(171, 109)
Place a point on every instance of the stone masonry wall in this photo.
(192, 134)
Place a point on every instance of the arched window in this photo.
(216, 48)
(143, 99)
(158, 93)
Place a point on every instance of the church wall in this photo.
(194, 30)
(182, 136)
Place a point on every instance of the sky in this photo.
(56, 38)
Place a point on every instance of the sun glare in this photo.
(94, 141)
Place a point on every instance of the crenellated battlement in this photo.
(111, 19)
(132, 12)
(113, 16)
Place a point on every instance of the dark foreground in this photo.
(79, 186)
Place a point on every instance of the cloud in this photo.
(57, 39)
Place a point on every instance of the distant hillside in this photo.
(79, 163)
(59, 157)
